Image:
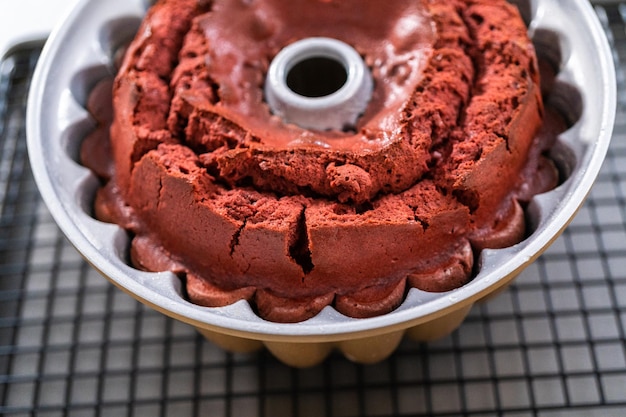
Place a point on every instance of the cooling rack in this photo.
(552, 345)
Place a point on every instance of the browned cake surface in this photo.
(243, 206)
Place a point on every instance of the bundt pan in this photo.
(82, 51)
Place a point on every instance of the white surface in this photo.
(26, 21)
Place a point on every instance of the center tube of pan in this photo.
(319, 84)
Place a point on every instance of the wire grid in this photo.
(71, 344)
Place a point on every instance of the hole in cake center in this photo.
(319, 84)
(317, 77)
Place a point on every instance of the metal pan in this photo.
(81, 52)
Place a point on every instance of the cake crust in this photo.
(215, 188)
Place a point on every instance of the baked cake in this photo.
(243, 206)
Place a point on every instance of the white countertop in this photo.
(26, 21)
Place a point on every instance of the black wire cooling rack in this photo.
(71, 344)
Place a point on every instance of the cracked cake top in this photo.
(242, 205)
